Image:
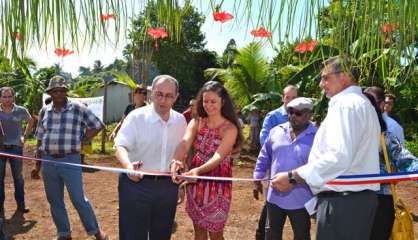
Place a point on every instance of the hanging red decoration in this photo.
(62, 52)
(306, 46)
(18, 36)
(222, 16)
(106, 17)
(157, 33)
(261, 32)
(387, 28)
(311, 45)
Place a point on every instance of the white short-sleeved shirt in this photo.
(347, 143)
(150, 139)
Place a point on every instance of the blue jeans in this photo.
(55, 177)
(16, 168)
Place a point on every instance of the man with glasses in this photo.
(62, 127)
(272, 119)
(287, 147)
(148, 139)
(347, 143)
(12, 117)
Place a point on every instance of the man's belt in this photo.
(60, 155)
(330, 194)
(10, 147)
(157, 178)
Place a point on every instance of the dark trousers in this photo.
(385, 216)
(16, 169)
(299, 219)
(146, 208)
(346, 217)
(260, 232)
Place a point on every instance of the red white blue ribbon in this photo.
(341, 180)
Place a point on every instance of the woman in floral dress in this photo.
(214, 136)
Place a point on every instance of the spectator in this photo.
(12, 117)
(140, 94)
(62, 126)
(389, 102)
(190, 112)
(400, 160)
(392, 125)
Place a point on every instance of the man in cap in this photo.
(272, 119)
(62, 126)
(287, 147)
(347, 143)
(12, 117)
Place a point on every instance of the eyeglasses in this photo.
(292, 111)
(160, 96)
(325, 76)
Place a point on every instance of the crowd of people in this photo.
(298, 156)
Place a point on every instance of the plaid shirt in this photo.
(62, 132)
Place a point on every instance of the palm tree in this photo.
(97, 66)
(248, 75)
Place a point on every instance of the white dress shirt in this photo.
(347, 143)
(150, 139)
(394, 127)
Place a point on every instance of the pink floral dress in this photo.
(208, 202)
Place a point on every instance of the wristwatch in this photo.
(292, 179)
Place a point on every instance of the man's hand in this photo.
(258, 189)
(281, 182)
(136, 177)
(34, 174)
(176, 167)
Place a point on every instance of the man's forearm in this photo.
(91, 133)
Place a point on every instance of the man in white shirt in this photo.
(147, 139)
(347, 143)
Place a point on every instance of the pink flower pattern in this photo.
(208, 202)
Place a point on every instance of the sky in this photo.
(217, 37)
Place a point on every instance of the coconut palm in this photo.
(248, 75)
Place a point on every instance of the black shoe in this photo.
(22, 210)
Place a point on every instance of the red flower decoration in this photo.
(261, 32)
(387, 28)
(18, 36)
(222, 16)
(106, 17)
(306, 46)
(312, 45)
(301, 47)
(157, 32)
(62, 52)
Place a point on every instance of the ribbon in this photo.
(341, 180)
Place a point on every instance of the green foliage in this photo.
(412, 145)
(249, 75)
(185, 60)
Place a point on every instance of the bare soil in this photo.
(101, 189)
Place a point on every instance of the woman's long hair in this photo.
(227, 110)
(383, 126)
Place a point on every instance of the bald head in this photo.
(290, 92)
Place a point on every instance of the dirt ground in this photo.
(101, 189)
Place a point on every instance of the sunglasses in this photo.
(141, 91)
(292, 111)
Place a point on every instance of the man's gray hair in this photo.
(344, 64)
(3, 89)
(165, 78)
